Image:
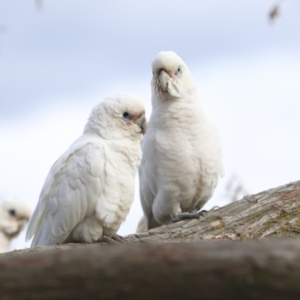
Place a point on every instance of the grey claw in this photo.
(189, 215)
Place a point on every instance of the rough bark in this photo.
(146, 267)
(272, 213)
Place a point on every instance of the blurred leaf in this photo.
(274, 12)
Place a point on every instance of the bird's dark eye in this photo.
(178, 72)
(12, 212)
(126, 116)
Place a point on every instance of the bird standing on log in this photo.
(182, 158)
(90, 188)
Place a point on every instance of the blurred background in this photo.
(58, 59)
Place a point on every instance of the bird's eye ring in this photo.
(178, 72)
(12, 212)
(126, 116)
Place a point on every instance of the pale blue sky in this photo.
(55, 65)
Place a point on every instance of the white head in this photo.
(14, 215)
(171, 77)
(120, 117)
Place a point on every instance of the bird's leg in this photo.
(194, 214)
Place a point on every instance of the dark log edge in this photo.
(257, 269)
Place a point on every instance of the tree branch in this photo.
(165, 263)
(268, 269)
(272, 213)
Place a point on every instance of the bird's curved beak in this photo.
(163, 80)
(142, 123)
(21, 219)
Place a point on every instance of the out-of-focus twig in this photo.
(39, 4)
(235, 189)
(3, 28)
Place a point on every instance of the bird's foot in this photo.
(189, 215)
(113, 240)
(119, 239)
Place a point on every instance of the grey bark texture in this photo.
(194, 259)
(272, 213)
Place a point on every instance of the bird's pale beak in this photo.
(142, 123)
(163, 80)
(21, 218)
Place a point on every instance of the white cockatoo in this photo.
(90, 188)
(14, 215)
(182, 158)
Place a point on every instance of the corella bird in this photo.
(14, 215)
(90, 188)
(182, 158)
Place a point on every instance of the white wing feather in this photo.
(90, 188)
(71, 190)
(147, 175)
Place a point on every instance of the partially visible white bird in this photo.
(182, 158)
(142, 226)
(90, 188)
(14, 215)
